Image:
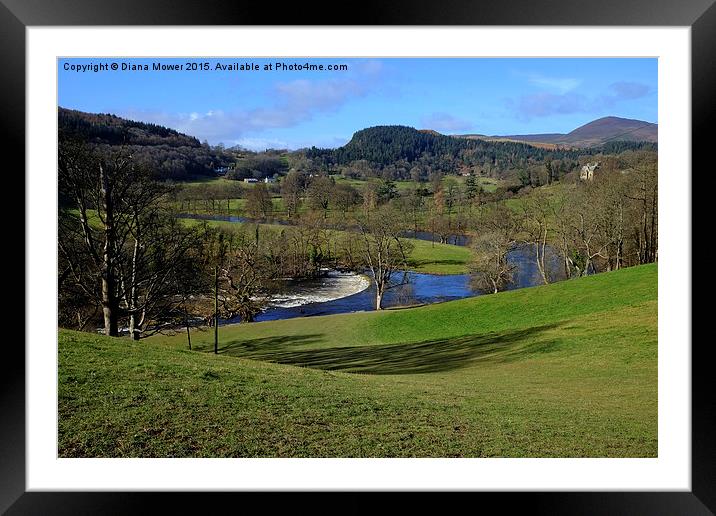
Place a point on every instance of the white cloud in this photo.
(561, 85)
(295, 102)
(545, 103)
(446, 122)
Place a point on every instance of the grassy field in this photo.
(436, 258)
(564, 370)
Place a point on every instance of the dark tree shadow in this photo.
(421, 357)
(267, 345)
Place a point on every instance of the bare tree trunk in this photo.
(110, 305)
(540, 248)
(133, 329)
(379, 297)
(188, 333)
(216, 310)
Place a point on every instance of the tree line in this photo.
(593, 226)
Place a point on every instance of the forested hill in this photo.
(169, 153)
(385, 145)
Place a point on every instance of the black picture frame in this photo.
(17, 15)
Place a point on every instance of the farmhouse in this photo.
(251, 180)
(587, 172)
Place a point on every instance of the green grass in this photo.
(565, 370)
(436, 258)
(426, 257)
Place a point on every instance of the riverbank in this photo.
(427, 257)
(563, 370)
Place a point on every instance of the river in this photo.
(339, 292)
(344, 292)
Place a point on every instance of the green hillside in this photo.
(565, 370)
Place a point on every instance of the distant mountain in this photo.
(168, 153)
(598, 132)
(612, 128)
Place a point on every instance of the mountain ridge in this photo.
(594, 133)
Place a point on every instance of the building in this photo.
(251, 180)
(587, 172)
(269, 180)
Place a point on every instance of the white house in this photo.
(251, 180)
(587, 172)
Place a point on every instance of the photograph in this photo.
(357, 257)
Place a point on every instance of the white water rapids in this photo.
(335, 285)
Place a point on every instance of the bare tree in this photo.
(537, 210)
(588, 237)
(563, 228)
(497, 229)
(318, 193)
(258, 201)
(291, 189)
(383, 250)
(115, 245)
(243, 276)
(643, 177)
(96, 189)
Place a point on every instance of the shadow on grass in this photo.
(421, 357)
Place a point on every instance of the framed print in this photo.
(413, 251)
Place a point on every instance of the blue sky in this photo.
(293, 109)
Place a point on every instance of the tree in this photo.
(384, 252)
(588, 237)
(238, 267)
(258, 201)
(96, 187)
(344, 197)
(413, 202)
(160, 275)
(498, 228)
(116, 247)
(319, 193)
(550, 170)
(472, 189)
(370, 196)
(387, 190)
(537, 212)
(560, 214)
(644, 187)
(291, 188)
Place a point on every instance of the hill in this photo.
(596, 133)
(389, 144)
(169, 153)
(612, 128)
(563, 370)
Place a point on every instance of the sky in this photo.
(294, 108)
